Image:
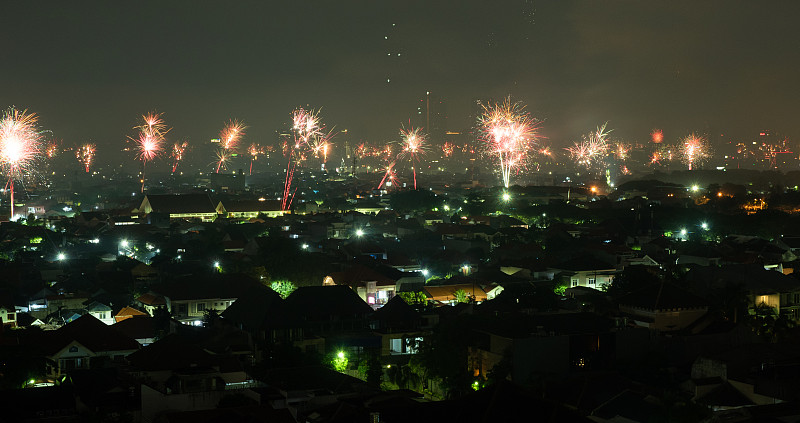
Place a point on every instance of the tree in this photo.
(461, 296)
(411, 298)
(210, 317)
(283, 287)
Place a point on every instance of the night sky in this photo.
(90, 69)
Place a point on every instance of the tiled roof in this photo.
(91, 333)
(180, 203)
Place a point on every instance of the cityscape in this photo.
(400, 212)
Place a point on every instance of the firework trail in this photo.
(178, 151)
(413, 147)
(389, 175)
(20, 146)
(229, 139)
(694, 150)
(85, 155)
(150, 140)
(309, 136)
(221, 159)
(231, 135)
(254, 151)
(592, 148)
(509, 133)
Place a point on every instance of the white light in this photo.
(506, 197)
(425, 272)
(683, 232)
(704, 225)
(124, 243)
(305, 246)
(61, 257)
(359, 233)
(216, 264)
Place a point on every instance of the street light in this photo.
(425, 272)
(704, 225)
(61, 256)
(506, 197)
(359, 233)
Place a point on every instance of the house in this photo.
(178, 375)
(126, 313)
(399, 326)
(262, 313)
(187, 300)
(8, 316)
(250, 209)
(762, 287)
(179, 206)
(448, 294)
(84, 343)
(142, 328)
(586, 271)
(376, 286)
(101, 312)
(664, 307)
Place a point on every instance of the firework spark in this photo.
(150, 140)
(254, 151)
(389, 176)
(694, 150)
(51, 150)
(178, 151)
(309, 137)
(509, 133)
(85, 155)
(231, 135)
(592, 148)
(20, 146)
(448, 148)
(657, 136)
(413, 147)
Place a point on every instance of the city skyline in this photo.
(89, 71)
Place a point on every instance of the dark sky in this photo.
(90, 69)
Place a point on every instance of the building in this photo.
(250, 209)
(179, 206)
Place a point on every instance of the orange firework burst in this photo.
(592, 148)
(20, 146)
(222, 159)
(413, 146)
(309, 138)
(254, 151)
(85, 155)
(448, 148)
(510, 133)
(150, 140)
(178, 150)
(232, 134)
(657, 136)
(694, 150)
(51, 150)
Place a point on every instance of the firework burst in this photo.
(254, 151)
(509, 133)
(309, 137)
(231, 135)
(178, 151)
(694, 149)
(413, 146)
(221, 159)
(51, 150)
(592, 149)
(85, 155)
(20, 146)
(389, 175)
(448, 148)
(657, 136)
(149, 142)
